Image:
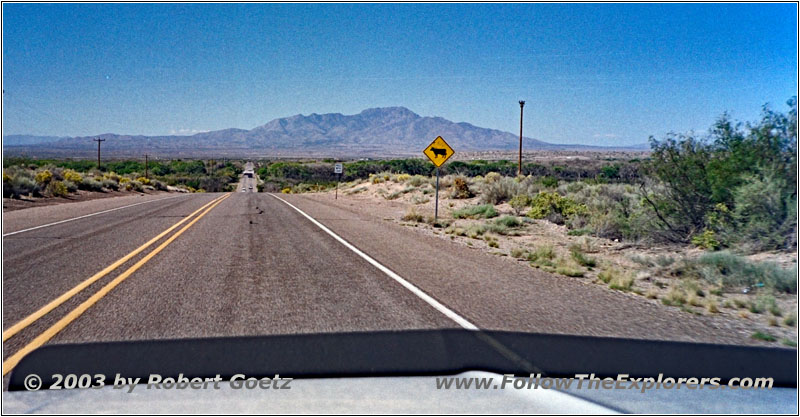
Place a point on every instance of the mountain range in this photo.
(387, 131)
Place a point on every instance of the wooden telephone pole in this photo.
(519, 167)
(98, 140)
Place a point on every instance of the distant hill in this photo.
(388, 131)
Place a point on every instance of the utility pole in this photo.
(145, 167)
(98, 140)
(519, 168)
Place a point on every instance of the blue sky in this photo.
(591, 73)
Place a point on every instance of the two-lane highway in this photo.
(251, 266)
(248, 183)
(236, 264)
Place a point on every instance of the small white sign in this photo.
(337, 169)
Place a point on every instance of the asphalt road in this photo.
(248, 183)
(251, 264)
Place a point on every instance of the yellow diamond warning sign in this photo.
(438, 151)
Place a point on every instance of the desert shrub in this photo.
(71, 186)
(508, 221)
(500, 190)
(570, 271)
(606, 275)
(402, 177)
(675, 297)
(727, 270)
(109, 184)
(519, 253)
(137, 186)
(763, 336)
(158, 185)
(579, 257)
(664, 260)
(621, 282)
(143, 180)
(706, 240)
(765, 215)
(20, 185)
(579, 232)
(43, 177)
(520, 202)
(492, 177)
(549, 182)
(376, 179)
(418, 180)
(419, 200)
(461, 188)
(113, 176)
(502, 225)
(542, 256)
(413, 216)
(90, 184)
(554, 207)
(73, 176)
(613, 211)
(476, 212)
(57, 189)
(747, 170)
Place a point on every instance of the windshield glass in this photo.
(191, 171)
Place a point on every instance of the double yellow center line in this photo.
(48, 334)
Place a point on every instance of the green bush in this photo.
(508, 221)
(499, 189)
(549, 182)
(764, 213)
(71, 175)
(137, 186)
(71, 186)
(706, 240)
(763, 336)
(520, 202)
(581, 258)
(57, 189)
(542, 256)
(19, 186)
(418, 180)
(554, 207)
(750, 169)
(43, 177)
(728, 270)
(485, 211)
(90, 184)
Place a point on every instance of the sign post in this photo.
(337, 169)
(438, 152)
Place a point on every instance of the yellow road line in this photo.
(48, 334)
(27, 321)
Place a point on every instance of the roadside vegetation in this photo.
(24, 177)
(706, 224)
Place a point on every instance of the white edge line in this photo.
(409, 286)
(86, 215)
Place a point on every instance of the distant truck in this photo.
(249, 173)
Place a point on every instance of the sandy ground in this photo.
(652, 281)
